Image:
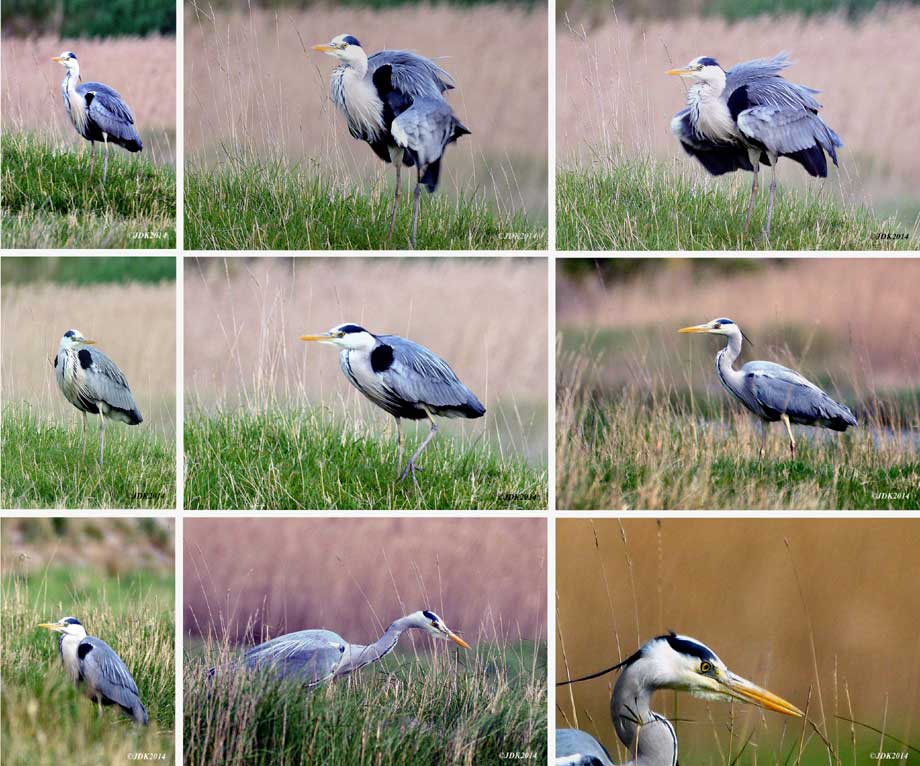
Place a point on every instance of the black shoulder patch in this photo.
(382, 358)
(88, 97)
(429, 615)
(55, 361)
(738, 101)
(83, 650)
(351, 40)
(86, 358)
(688, 647)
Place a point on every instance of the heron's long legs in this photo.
(395, 199)
(84, 433)
(105, 163)
(766, 228)
(785, 419)
(410, 466)
(763, 438)
(399, 447)
(416, 195)
(101, 437)
(750, 210)
(92, 156)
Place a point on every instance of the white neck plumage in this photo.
(709, 112)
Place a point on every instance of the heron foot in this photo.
(410, 468)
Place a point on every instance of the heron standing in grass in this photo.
(772, 392)
(97, 112)
(666, 662)
(314, 656)
(96, 670)
(402, 378)
(393, 100)
(92, 383)
(749, 115)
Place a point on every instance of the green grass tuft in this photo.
(45, 466)
(51, 200)
(272, 206)
(643, 204)
(458, 707)
(284, 460)
(45, 719)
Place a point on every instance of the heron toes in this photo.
(410, 468)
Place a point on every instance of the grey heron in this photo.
(96, 670)
(770, 391)
(315, 656)
(403, 378)
(749, 115)
(393, 101)
(92, 383)
(97, 112)
(665, 662)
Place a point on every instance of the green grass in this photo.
(449, 707)
(285, 460)
(89, 270)
(51, 200)
(641, 204)
(45, 719)
(641, 453)
(272, 206)
(45, 466)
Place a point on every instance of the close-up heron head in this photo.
(685, 664)
(74, 339)
(347, 336)
(70, 626)
(721, 326)
(429, 621)
(702, 69)
(343, 47)
(67, 59)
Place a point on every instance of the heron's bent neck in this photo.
(709, 113)
(359, 655)
(75, 103)
(730, 377)
(648, 736)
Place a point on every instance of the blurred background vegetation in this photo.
(88, 271)
(89, 18)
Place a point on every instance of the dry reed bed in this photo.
(731, 584)
(486, 317)
(134, 324)
(497, 55)
(143, 70)
(868, 305)
(485, 577)
(612, 90)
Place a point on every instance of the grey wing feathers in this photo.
(426, 128)
(411, 74)
(578, 748)
(108, 110)
(106, 383)
(419, 376)
(311, 656)
(788, 130)
(779, 390)
(104, 671)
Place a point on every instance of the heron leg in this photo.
(399, 447)
(750, 209)
(410, 466)
(92, 156)
(105, 162)
(101, 437)
(398, 162)
(785, 419)
(84, 433)
(766, 228)
(416, 196)
(763, 438)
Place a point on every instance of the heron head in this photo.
(721, 326)
(74, 339)
(348, 336)
(703, 69)
(345, 48)
(430, 622)
(685, 664)
(69, 626)
(68, 59)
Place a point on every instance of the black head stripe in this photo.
(349, 328)
(351, 40)
(71, 621)
(708, 61)
(430, 615)
(69, 334)
(724, 321)
(689, 647)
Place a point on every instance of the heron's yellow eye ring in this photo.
(705, 667)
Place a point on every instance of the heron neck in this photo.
(360, 655)
(71, 79)
(648, 736)
(729, 376)
(358, 66)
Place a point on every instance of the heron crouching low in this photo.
(749, 115)
(93, 384)
(393, 101)
(97, 112)
(403, 378)
(770, 391)
(96, 669)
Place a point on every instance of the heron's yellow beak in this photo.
(88, 342)
(696, 328)
(681, 70)
(744, 690)
(323, 48)
(50, 626)
(457, 640)
(58, 59)
(324, 336)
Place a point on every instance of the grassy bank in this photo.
(286, 460)
(642, 204)
(273, 206)
(457, 707)
(45, 465)
(45, 720)
(52, 200)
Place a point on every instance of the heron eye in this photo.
(434, 624)
(705, 667)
